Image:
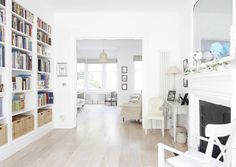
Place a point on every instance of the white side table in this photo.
(177, 109)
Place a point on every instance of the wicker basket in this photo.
(3, 134)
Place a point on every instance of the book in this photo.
(43, 65)
(21, 42)
(45, 98)
(1, 107)
(19, 10)
(43, 81)
(21, 60)
(18, 102)
(21, 26)
(2, 56)
(21, 82)
(44, 26)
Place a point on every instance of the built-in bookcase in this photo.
(26, 95)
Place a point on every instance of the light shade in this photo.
(173, 70)
(103, 57)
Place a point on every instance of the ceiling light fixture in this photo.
(103, 58)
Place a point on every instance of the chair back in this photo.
(114, 94)
(214, 132)
(155, 104)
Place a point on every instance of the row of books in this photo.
(21, 26)
(41, 24)
(2, 56)
(1, 107)
(41, 36)
(43, 65)
(3, 2)
(21, 60)
(43, 81)
(18, 102)
(2, 34)
(19, 10)
(21, 82)
(2, 16)
(21, 42)
(45, 98)
(42, 50)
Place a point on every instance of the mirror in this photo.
(212, 24)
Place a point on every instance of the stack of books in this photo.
(43, 65)
(21, 82)
(41, 36)
(2, 56)
(21, 42)
(43, 81)
(21, 26)
(2, 34)
(44, 26)
(19, 10)
(42, 50)
(18, 102)
(21, 60)
(45, 98)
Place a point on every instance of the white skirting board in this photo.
(11, 148)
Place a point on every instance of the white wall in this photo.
(159, 31)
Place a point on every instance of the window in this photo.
(80, 76)
(95, 76)
(111, 76)
(138, 75)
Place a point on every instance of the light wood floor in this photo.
(100, 140)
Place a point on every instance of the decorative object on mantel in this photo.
(173, 70)
(185, 83)
(62, 69)
(171, 95)
(197, 56)
(185, 100)
(185, 66)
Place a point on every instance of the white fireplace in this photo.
(214, 87)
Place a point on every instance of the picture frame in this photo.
(124, 69)
(124, 78)
(185, 65)
(62, 70)
(124, 86)
(185, 83)
(171, 95)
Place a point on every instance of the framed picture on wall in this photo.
(124, 78)
(62, 69)
(124, 86)
(185, 66)
(185, 83)
(124, 69)
(171, 95)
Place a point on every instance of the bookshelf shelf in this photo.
(45, 106)
(22, 49)
(21, 33)
(40, 29)
(22, 111)
(44, 90)
(43, 57)
(2, 94)
(21, 70)
(42, 72)
(43, 43)
(22, 91)
(2, 7)
(21, 18)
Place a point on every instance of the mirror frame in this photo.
(232, 55)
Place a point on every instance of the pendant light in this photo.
(103, 58)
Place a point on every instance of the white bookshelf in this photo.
(8, 71)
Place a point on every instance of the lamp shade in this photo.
(103, 57)
(173, 70)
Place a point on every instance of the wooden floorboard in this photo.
(101, 139)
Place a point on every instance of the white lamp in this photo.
(173, 70)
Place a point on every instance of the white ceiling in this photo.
(215, 6)
(92, 48)
(111, 5)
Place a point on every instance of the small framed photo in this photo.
(185, 83)
(185, 66)
(124, 69)
(171, 95)
(124, 86)
(62, 69)
(124, 78)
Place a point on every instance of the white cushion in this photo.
(181, 161)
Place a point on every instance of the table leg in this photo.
(174, 124)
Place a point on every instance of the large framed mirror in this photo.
(212, 27)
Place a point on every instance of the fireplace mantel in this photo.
(217, 87)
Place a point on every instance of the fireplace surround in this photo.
(214, 88)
